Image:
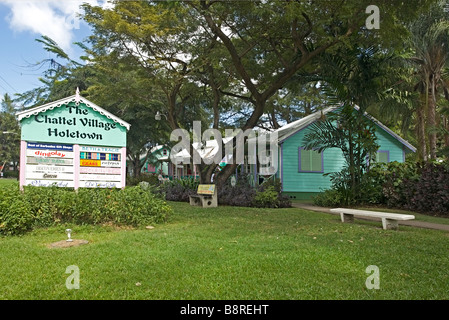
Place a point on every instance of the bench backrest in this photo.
(206, 189)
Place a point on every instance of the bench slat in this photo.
(376, 214)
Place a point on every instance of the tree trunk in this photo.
(446, 135)
(205, 171)
(352, 165)
(421, 130)
(431, 121)
(275, 124)
(224, 174)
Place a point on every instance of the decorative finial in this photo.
(77, 95)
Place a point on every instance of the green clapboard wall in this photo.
(305, 182)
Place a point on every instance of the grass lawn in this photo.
(230, 253)
(4, 181)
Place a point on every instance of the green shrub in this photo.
(11, 174)
(268, 198)
(44, 207)
(390, 182)
(281, 201)
(384, 183)
(50, 205)
(416, 186)
(329, 198)
(179, 189)
(16, 215)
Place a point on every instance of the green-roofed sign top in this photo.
(73, 123)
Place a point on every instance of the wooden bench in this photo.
(206, 196)
(389, 220)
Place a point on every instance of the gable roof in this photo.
(293, 127)
(75, 98)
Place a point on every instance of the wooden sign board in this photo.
(49, 164)
(100, 171)
(72, 143)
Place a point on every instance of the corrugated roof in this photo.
(293, 127)
(289, 129)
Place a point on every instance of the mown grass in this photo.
(230, 253)
(4, 181)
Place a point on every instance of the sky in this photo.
(24, 21)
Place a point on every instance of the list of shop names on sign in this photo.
(53, 164)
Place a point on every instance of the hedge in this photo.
(47, 206)
(416, 186)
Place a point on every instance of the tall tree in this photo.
(270, 42)
(161, 40)
(354, 77)
(246, 50)
(123, 90)
(9, 133)
(61, 76)
(114, 83)
(430, 42)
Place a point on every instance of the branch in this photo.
(237, 96)
(289, 72)
(299, 40)
(232, 51)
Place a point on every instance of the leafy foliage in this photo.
(268, 198)
(429, 42)
(179, 189)
(354, 134)
(421, 187)
(329, 198)
(242, 194)
(44, 207)
(9, 133)
(429, 193)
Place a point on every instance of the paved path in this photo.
(412, 223)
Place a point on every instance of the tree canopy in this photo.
(239, 64)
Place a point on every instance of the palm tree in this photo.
(354, 76)
(430, 42)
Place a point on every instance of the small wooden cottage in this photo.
(302, 171)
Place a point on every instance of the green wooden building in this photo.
(302, 171)
(158, 161)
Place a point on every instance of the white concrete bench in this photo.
(389, 220)
(206, 196)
